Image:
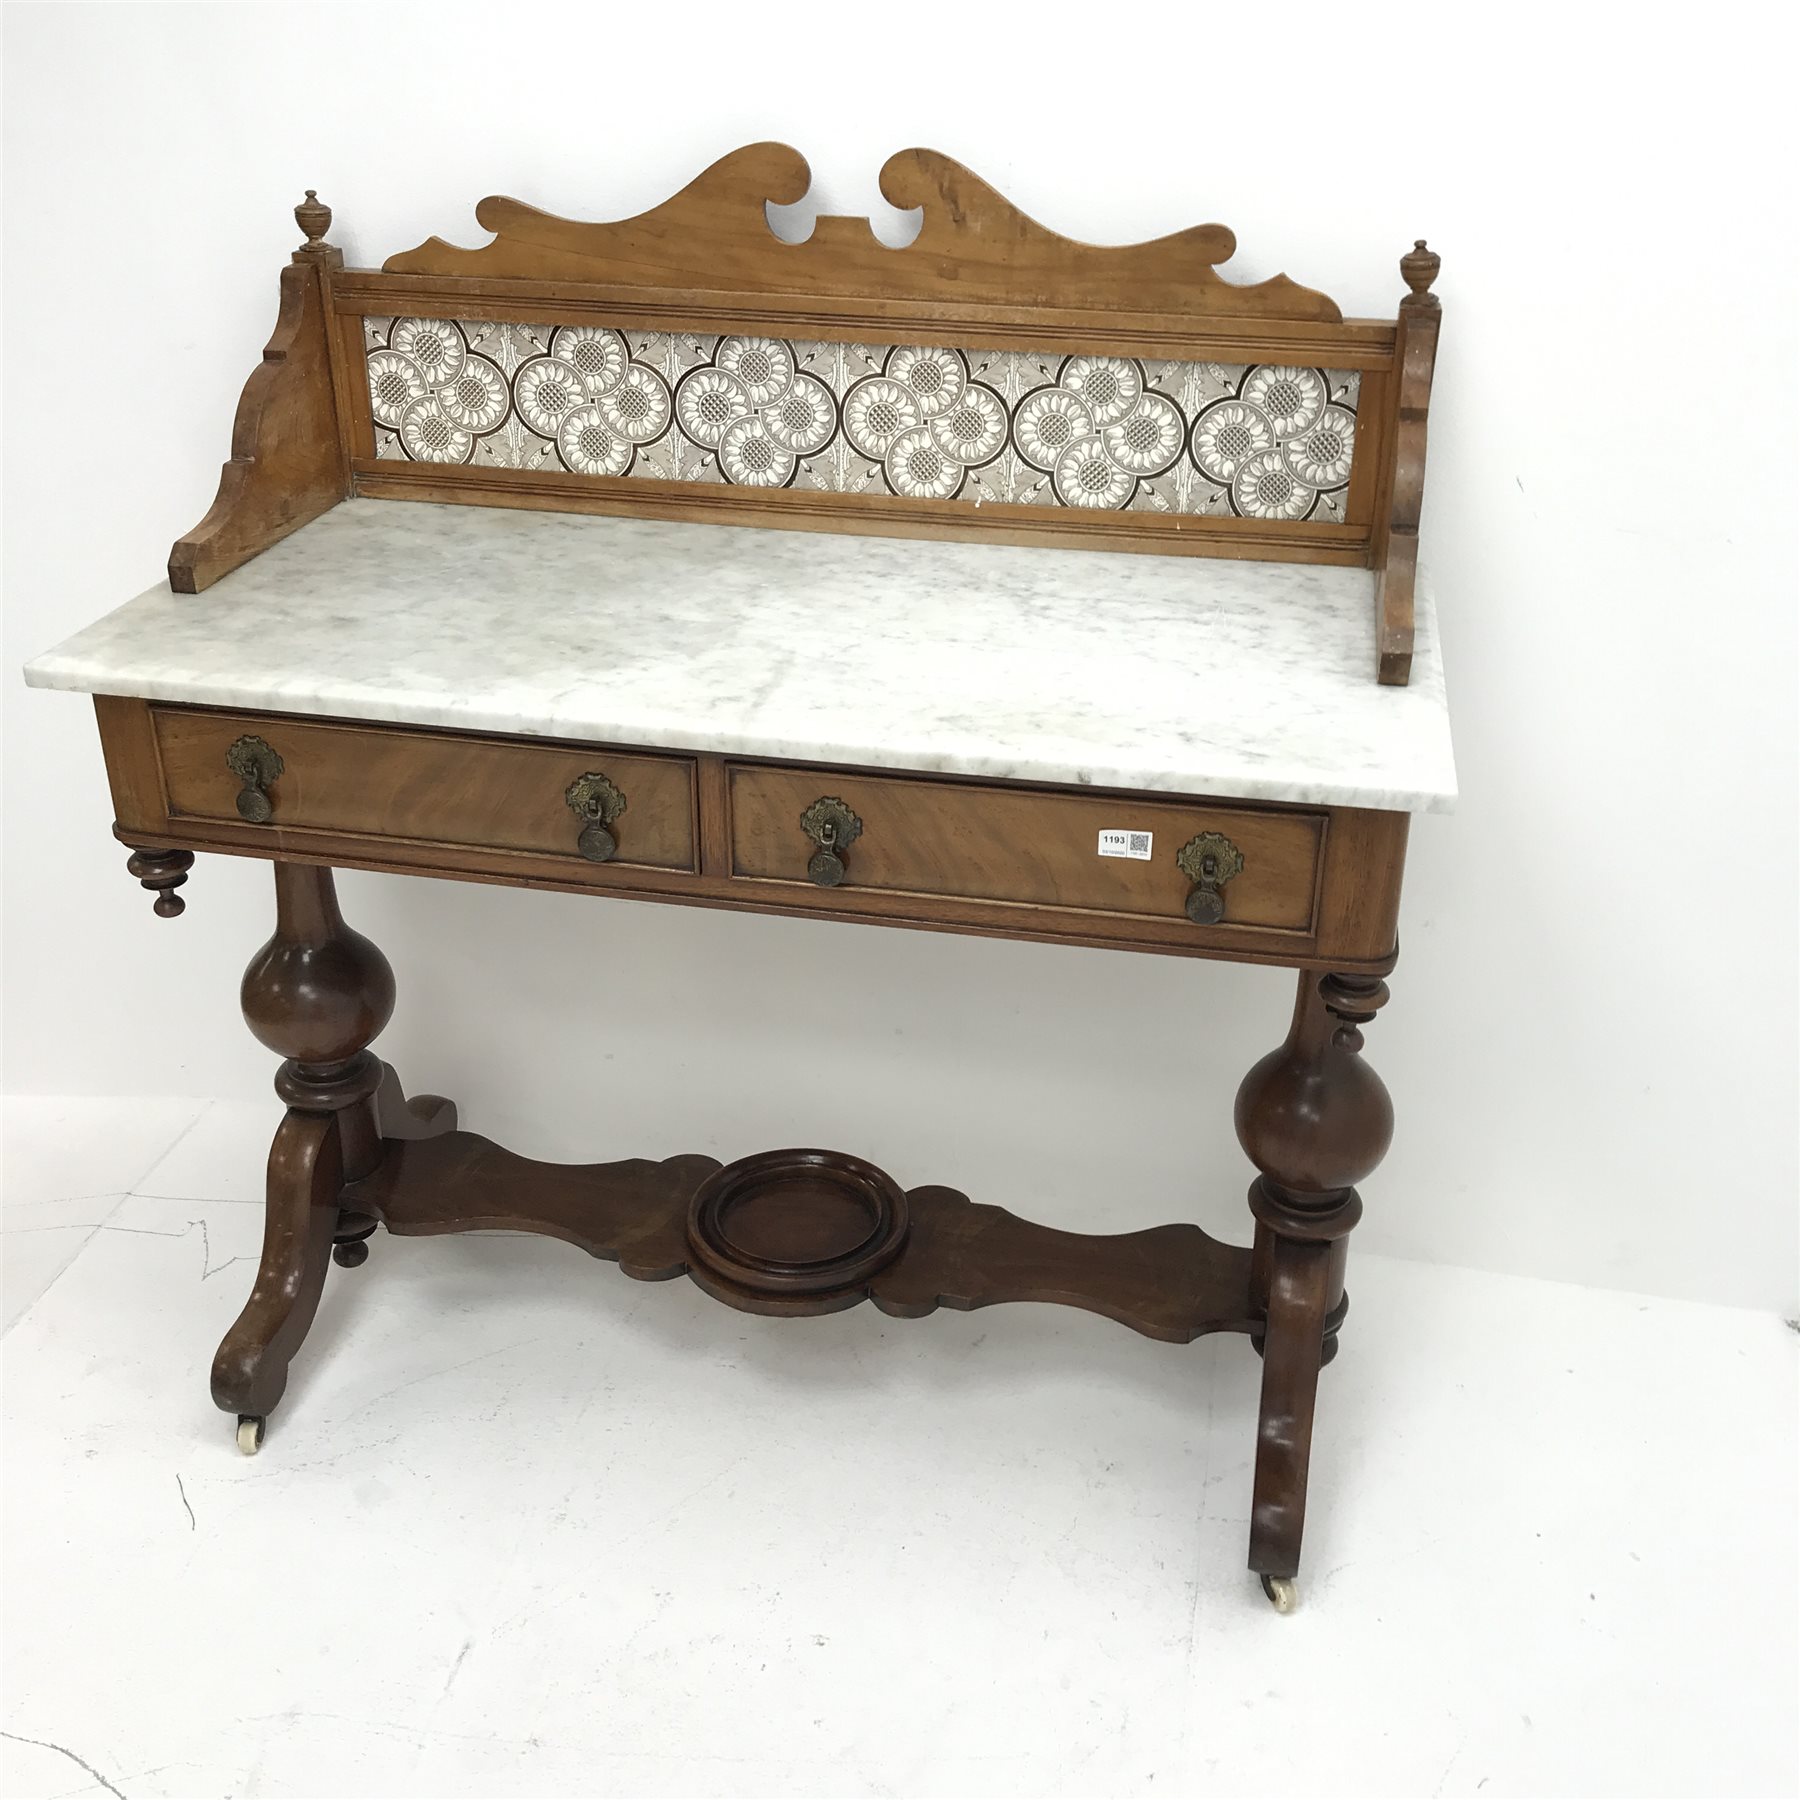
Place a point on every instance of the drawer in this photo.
(431, 787)
(1028, 847)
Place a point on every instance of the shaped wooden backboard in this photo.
(991, 379)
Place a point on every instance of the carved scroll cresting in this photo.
(974, 245)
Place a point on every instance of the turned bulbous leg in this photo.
(1315, 1119)
(316, 993)
(1313, 1116)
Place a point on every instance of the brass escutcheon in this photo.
(258, 766)
(596, 803)
(834, 828)
(1208, 861)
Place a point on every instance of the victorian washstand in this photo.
(1116, 640)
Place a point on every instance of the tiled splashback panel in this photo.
(989, 427)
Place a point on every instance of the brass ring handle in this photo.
(1208, 861)
(834, 828)
(596, 803)
(258, 766)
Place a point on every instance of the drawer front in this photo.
(429, 787)
(1021, 846)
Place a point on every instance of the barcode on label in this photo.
(1126, 843)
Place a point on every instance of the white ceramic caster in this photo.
(1283, 1592)
(250, 1432)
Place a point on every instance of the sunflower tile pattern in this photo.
(922, 422)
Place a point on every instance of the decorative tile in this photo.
(988, 427)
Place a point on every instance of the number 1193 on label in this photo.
(1135, 844)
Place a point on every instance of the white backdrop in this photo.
(1592, 1038)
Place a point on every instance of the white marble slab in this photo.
(1180, 674)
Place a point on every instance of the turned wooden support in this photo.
(1315, 1119)
(162, 872)
(316, 993)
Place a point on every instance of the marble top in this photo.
(1182, 674)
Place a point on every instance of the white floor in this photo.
(522, 1527)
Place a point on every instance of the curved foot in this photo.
(1283, 1594)
(423, 1116)
(1292, 1355)
(249, 1374)
(250, 1427)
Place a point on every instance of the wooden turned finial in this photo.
(313, 217)
(1420, 267)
